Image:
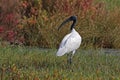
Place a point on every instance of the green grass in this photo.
(22, 63)
(111, 4)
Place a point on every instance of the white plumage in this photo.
(71, 41)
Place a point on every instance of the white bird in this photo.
(71, 41)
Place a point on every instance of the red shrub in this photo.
(9, 19)
(1, 29)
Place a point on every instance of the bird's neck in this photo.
(73, 24)
(73, 30)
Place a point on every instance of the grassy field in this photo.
(25, 63)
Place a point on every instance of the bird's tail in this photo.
(61, 51)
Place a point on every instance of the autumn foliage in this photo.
(35, 22)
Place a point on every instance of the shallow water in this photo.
(111, 51)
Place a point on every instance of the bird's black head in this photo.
(71, 18)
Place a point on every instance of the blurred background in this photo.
(35, 22)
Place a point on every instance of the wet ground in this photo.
(111, 51)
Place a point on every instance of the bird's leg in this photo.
(69, 60)
(71, 56)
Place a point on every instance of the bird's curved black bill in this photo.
(64, 22)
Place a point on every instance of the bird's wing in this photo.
(62, 50)
(69, 43)
(73, 42)
(64, 40)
